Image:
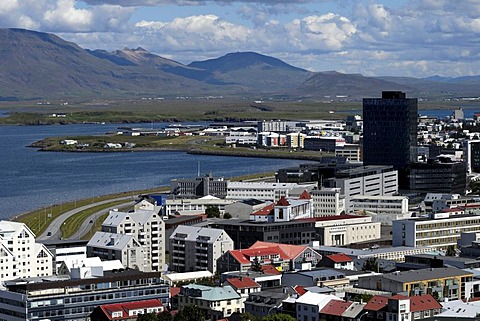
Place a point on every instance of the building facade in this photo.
(199, 187)
(138, 236)
(20, 255)
(64, 298)
(195, 248)
(390, 122)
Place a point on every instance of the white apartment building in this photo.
(439, 231)
(262, 190)
(195, 205)
(309, 305)
(296, 140)
(346, 229)
(20, 256)
(385, 209)
(327, 202)
(147, 242)
(196, 248)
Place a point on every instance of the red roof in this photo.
(423, 302)
(239, 257)
(376, 303)
(265, 211)
(331, 218)
(174, 291)
(299, 289)
(124, 308)
(270, 269)
(339, 258)
(283, 202)
(305, 196)
(336, 307)
(243, 283)
(287, 251)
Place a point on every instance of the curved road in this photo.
(86, 225)
(54, 227)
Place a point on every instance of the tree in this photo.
(279, 317)
(165, 316)
(190, 313)
(227, 216)
(371, 264)
(451, 251)
(212, 211)
(256, 266)
(152, 316)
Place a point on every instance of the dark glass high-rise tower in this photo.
(390, 130)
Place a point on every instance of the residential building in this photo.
(339, 261)
(189, 206)
(20, 255)
(173, 222)
(65, 298)
(66, 251)
(438, 231)
(136, 238)
(400, 308)
(216, 302)
(296, 140)
(342, 310)
(195, 248)
(263, 191)
(327, 202)
(199, 187)
(268, 278)
(244, 286)
(267, 302)
(128, 311)
(284, 257)
(445, 283)
(390, 122)
(310, 304)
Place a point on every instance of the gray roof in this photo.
(210, 293)
(193, 232)
(109, 240)
(425, 274)
(141, 217)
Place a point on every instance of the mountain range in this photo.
(36, 65)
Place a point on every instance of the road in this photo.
(53, 230)
(86, 225)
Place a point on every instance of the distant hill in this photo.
(40, 65)
(331, 84)
(255, 71)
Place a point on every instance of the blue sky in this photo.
(416, 38)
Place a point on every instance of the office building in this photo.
(438, 231)
(73, 299)
(439, 177)
(199, 187)
(327, 202)
(390, 130)
(66, 251)
(195, 248)
(264, 191)
(471, 155)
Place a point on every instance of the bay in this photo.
(30, 179)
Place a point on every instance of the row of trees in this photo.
(194, 313)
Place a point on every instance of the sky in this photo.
(415, 38)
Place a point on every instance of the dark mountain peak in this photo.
(240, 60)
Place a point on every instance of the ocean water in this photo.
(30, 179)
